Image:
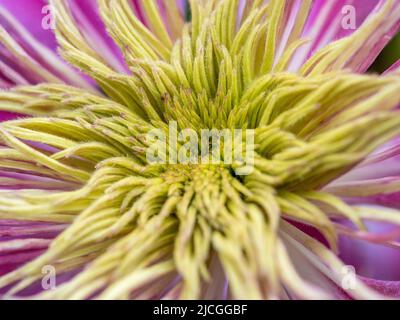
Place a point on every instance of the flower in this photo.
(80, 194)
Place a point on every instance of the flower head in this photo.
(77, 161)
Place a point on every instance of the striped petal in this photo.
(388, 288)
(356, 52)
(25, 60)
(31, 15)
(369, 254)
(86, 15)
(394, 68)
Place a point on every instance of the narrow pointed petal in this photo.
(24, 59)
(358, 51)
(387, 288)
(371, 257)
(394, 68)
(31, 15)
(92, 27)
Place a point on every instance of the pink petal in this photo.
(384, 162)
(394, 68)
(363, 59)
(369, 259)
(380, 169)
(92, 27)
(391, 200)
(20, 230)
(388, 288)
(182, 5)
(363, 9)
(29, 13)
(382, 191)
(45, 65)
(13, 261)
(325, 26)
(13, 246)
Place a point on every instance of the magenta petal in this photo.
(11, 262)
(20, 230)
(363, 9)
(369, 259)
(353, 191)
(182, 6)
(324, 24)
(387, 237)
(387, 288)
(383, 163)
(13, 70)
(363, 59)
(90, 24)
(29, 13)
(5, 116)
(380, 169)
(391, 200)
(394, 68)
(23, 245)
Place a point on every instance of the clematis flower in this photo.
(80, 195)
